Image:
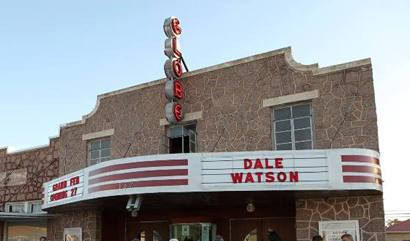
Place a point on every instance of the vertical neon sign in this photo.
(174, 90)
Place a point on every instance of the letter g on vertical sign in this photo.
(171, 27)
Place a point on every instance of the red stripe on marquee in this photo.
(130, 175)
(362, 179)
(153, 183)
(365, 169)
(360, 158)
(160, 163)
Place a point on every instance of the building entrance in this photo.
(148, 231)
(259, 229)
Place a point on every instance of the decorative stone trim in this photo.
(339, 67)
(98, 134)
(286, 99)
(188, 117)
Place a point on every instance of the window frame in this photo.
(189, 133)
(31, 206)
(11, 204)
(27, 206)
(293, 142)
(89, 150)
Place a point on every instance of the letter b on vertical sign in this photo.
(174, 90)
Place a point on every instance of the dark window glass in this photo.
(302, 123)
(300, 110)
(303, 145)
(303, 135)
(283, 137)
(284, 146)
(283, 125)
(282, 114)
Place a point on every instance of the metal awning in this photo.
(7, 216)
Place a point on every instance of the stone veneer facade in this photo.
(229, 98)
(367, 209)
(88, 219)
(41, 165)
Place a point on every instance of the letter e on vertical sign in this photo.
(173, 112)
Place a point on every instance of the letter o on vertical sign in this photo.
(171, 27)
(173, 68)
(174, 89)
(173, 112)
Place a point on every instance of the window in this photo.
(99, 150)
(16, 207)
(24, 207)
(293, 127)
(182, 139)
(193, 231)
(35, 207)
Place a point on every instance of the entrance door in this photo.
(258, 229)
(148, 231)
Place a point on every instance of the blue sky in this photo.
(57, 56)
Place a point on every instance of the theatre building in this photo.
(266, 147)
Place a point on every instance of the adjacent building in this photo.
(22, 175)
(399, 231)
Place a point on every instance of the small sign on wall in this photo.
(333, 230)
(73, 234)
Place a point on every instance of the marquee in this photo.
(331, 169)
